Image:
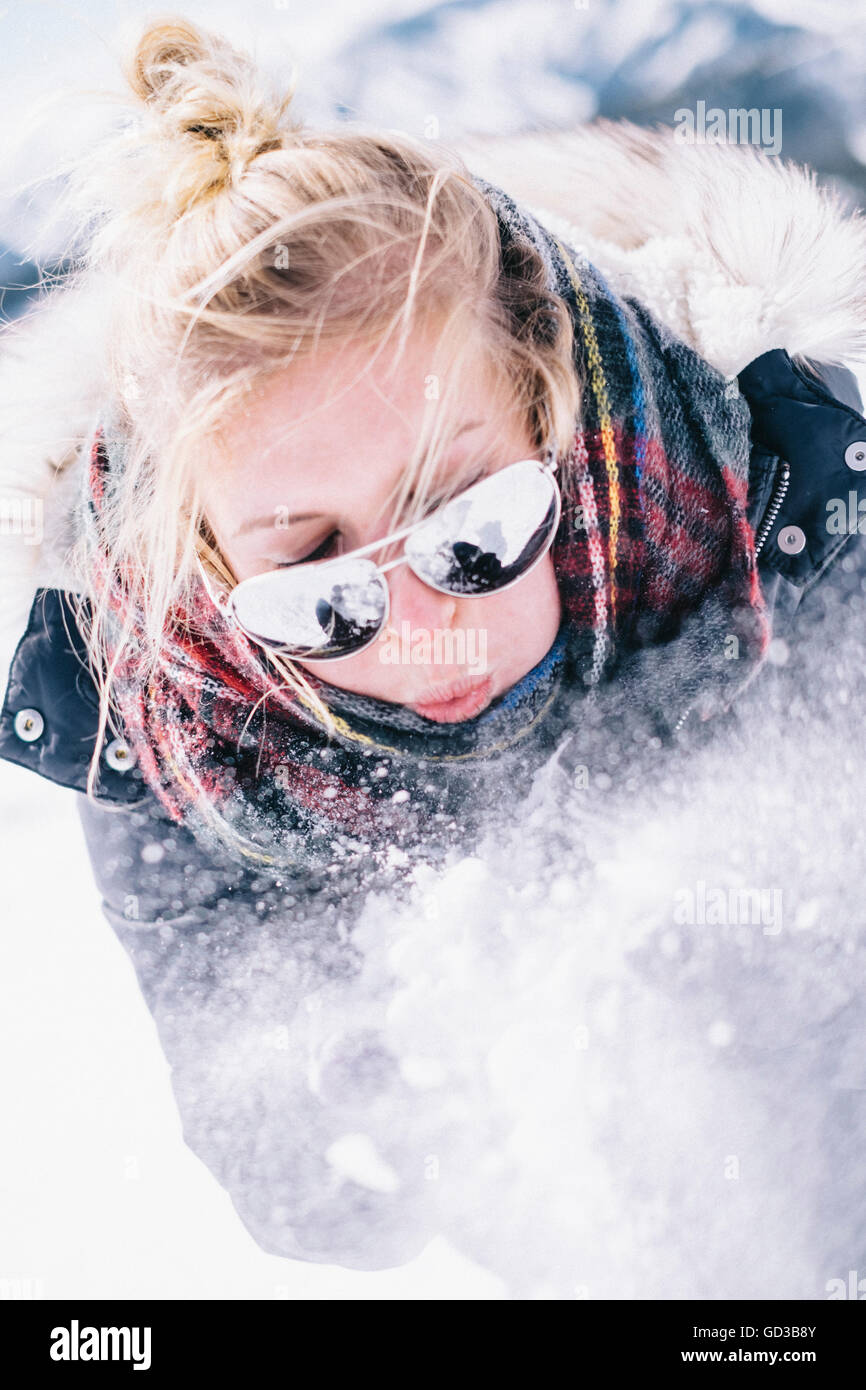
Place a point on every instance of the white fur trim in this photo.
(736, 251)
(51, 382)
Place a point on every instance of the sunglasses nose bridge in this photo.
(392, 564)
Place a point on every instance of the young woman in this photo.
(372, 492)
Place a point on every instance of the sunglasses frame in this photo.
(227, 605)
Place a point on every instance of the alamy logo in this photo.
(737, 126)
(75, 1343)
(421, 646)
(853, 1287)
(22, 516)
(720, 907)
(846, 518)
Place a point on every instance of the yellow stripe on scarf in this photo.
(355, 736)
(599, 389)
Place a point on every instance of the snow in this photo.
(99, 1195)
(582, 1089)
(355, 1157)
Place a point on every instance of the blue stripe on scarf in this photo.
(514, 697)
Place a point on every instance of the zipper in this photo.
(774, 506)
(780, 489)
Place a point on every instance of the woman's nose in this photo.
(417, 603)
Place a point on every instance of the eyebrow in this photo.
(257, 523)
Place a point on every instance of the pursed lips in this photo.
(461, 699)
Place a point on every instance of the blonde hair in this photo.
(231, 240)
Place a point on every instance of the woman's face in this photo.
(293, 480)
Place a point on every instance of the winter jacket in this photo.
(195, 928)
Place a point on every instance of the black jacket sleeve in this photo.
(806, 419)
(285, 1089)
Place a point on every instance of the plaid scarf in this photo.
(654, 560)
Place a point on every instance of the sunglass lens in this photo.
(490, 536)
(320, 611)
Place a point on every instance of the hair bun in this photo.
(207, 97)
(161, 50)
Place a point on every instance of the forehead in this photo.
(337, 416)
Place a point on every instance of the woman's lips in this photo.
(462, 699)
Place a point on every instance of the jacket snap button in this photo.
(119, 755)
(29, 725)
(855, 455)
(791, 539)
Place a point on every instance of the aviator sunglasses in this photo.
(479, 542)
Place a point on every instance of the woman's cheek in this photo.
(529, 619)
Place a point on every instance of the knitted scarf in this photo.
(654, 560)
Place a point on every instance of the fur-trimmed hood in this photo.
(734, 250)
